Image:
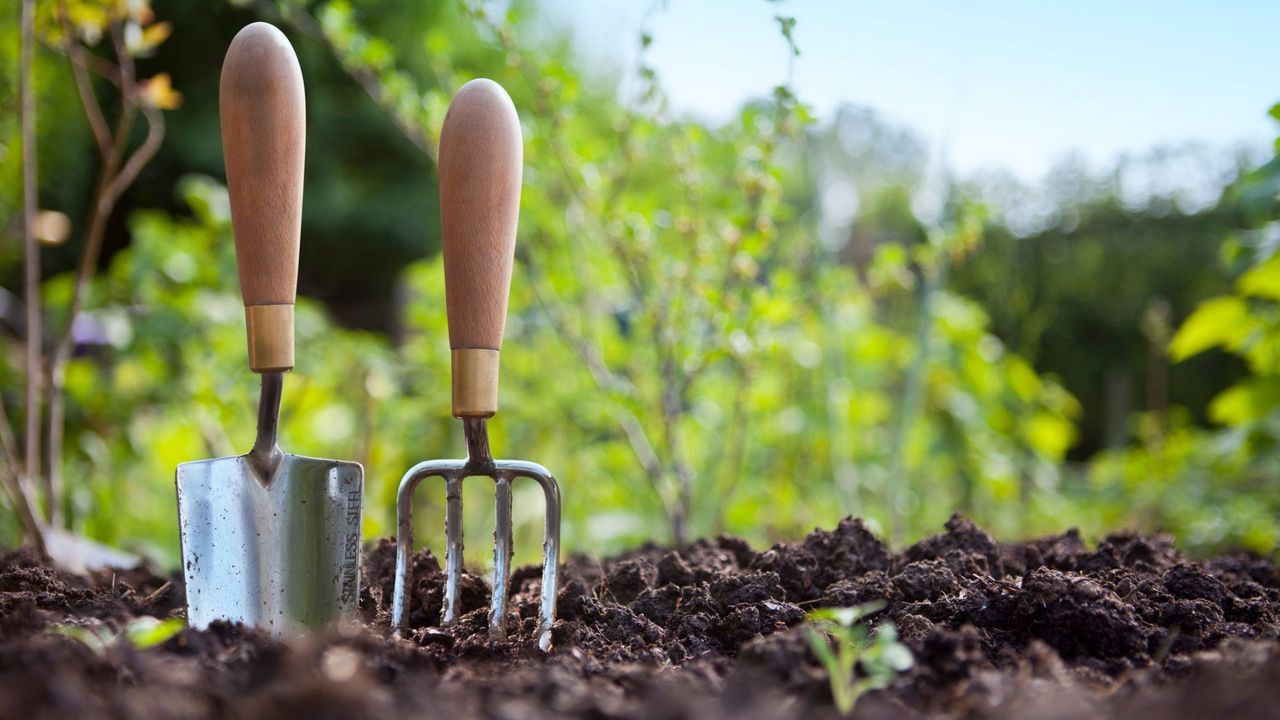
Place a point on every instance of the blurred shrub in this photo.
(683, 350)
(1215, 488)
(168, 383)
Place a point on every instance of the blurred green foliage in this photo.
(688, 349)
(1214, 487)
(1087, 276)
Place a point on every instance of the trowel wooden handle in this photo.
(481, 156)
(263, 115)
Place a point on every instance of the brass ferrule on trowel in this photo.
(270, 332)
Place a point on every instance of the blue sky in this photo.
(1016, 84)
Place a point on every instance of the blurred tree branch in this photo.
(120, 168)
(92, 111)
(19, 482)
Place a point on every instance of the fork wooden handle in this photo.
(481, 158)
(264, 127)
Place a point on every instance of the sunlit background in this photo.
(779, 262)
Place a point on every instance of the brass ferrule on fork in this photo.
(475, 382)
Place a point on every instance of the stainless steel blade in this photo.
(283, 555)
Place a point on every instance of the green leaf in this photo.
(146, 631)
(1245, 401)
(1022, 379)
(897, 656)
(1220, 321)
(788, 25)
(846, 617)
(94, 640)
(1262, 280)
(1049, 434)
(821, 647)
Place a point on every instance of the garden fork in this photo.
(480, 167)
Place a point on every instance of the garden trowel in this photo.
(268, 538)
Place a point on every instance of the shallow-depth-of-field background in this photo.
(754, 325)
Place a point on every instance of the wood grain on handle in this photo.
(481, 156)
(481, 159)
(263, 116)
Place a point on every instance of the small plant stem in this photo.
(31, 262)
(19, 498)
(913, 386)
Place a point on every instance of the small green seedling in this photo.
(141, 632)
(857, 663)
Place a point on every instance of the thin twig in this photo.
(732, 453)
(157, 593)
(31, 250)
(9, 441)
(65, 343)
(95, 64)
(22, 507)
(606, 381)
(18, 498)
(145, 153)
(92, 110)
(20, 487)
(367, 79)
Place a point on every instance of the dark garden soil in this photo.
(1045, 629)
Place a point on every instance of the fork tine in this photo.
(550, 558)
(404, 531)
(501, 559)
(453, 548)
(550, 542)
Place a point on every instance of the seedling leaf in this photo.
(843, 648)
(146, 631)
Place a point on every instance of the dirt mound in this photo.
(1042, 629)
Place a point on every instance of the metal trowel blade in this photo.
(283, 554)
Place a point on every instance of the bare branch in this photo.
(608, 382)
(731, 455)
(92, 110)
(140, 157)
(124, 61)
(22, 507)
(19, 499)
(19, 487)
(8, 441)
(95, 64)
